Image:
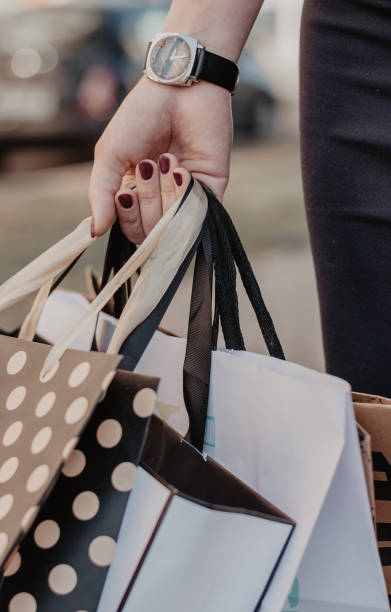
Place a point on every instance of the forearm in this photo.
(222, 26)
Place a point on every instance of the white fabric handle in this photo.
(45, 267)
(177, 232)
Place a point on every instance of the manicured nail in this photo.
(164, 164)
(92, 228)
(126, 200)
(146, 170)
(178, 178)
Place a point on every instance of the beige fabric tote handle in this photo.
(160, 269)
(163, 251)
(30, 324)
(46, 266)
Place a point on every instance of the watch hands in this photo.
(169, 59)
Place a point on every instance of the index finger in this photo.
(106, 177)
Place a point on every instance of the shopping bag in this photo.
(289, 433)
(72, 525)
(231, 506)
(366, 456)
(204, 541)
(374, 414)
(196, 526)
(25, 387)
(63, 560)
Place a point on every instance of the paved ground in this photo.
(264, 199)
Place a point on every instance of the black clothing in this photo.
(346, 158)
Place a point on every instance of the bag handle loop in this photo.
(224, 224)
(46, 266)
(162, 252)
(215, 252)
(227, 250)
(29, 326)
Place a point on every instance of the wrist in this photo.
(217, 24)
(208, 92)
(191, 24)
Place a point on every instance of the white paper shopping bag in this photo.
(192, 537)
(341, 565)
(290, 432)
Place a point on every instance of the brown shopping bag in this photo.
(366, 455)
(373, 413)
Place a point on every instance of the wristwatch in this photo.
(178, 59)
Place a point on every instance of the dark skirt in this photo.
(345, 104)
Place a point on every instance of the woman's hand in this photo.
(193, 124)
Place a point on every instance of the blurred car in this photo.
(253, 103)
(65, 70)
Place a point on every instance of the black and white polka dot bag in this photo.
(67, 456)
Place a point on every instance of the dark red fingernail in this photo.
(92, 228)
(178, 178)
(146, 170)
(126, 200)
(164, 164)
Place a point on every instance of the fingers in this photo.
(182, 178)
(139, 210)
(148, 188)
(167, 164)
(128, 211)
(158, 187)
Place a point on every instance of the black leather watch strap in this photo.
(216, 69)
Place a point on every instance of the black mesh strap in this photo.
(196, 368)
(136, 343)
(216, 69)
(202, 334)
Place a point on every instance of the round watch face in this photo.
(170, 58)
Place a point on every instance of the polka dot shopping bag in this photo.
(72, 531)
(72, 432)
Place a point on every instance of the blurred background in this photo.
(66, 65)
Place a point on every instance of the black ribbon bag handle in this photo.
(227, 250)
(224, 225)
(217, 250)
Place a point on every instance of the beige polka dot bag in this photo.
(68, 455)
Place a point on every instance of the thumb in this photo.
(106, 176)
